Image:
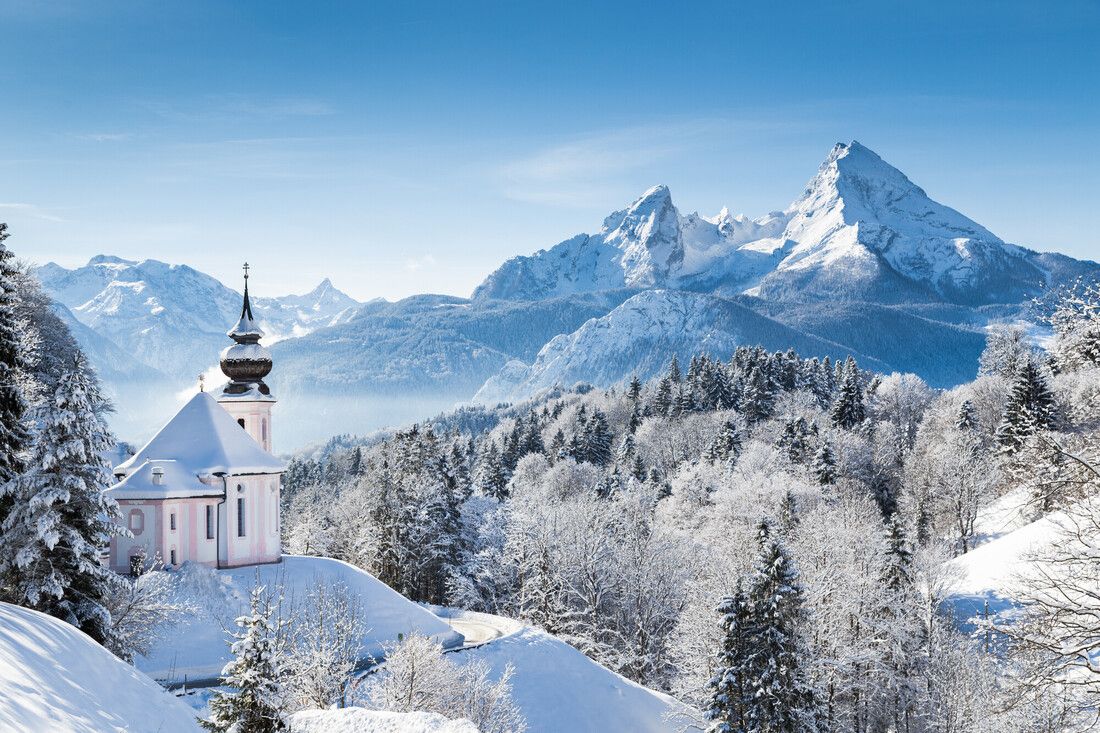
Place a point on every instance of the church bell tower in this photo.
(246, 363)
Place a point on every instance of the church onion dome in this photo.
(246, 362)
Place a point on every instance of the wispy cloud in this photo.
(570, 172)
(422, 262)
(104, 137)
(30, 210)
(218, 107)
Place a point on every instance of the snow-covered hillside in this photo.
(560, 689)
(197, 646)
(54, 678)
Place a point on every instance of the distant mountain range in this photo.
(862, 263)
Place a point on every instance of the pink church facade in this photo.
(206, 488)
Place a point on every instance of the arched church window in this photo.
(240, 421)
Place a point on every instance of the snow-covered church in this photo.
(205, 488)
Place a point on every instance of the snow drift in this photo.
(55, 678)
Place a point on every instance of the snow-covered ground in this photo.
(989, 576)
(360, 720)
(55, 678)
(197, 647)
(561, 690)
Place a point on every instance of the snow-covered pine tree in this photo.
(848, 410)
(825, 464)
(662, 401)
(1029, 408)
(626, 451)
(532, 437)
(355, 468)
(900, 628)
(597, 439)
(674, 375)
(634, 391)
(558, 448)
(254, 704)
(730, 694)
(489, 476)
(780, 698)
(795, 439)
(14, 435)
(967, 416)
(60, 519)
(725, 445)
(758, 396)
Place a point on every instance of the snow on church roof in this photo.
(175, 482)
(204, 440)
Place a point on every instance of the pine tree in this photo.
(626, 450)
(1028, 409)
(634, 392)
(662, 401)
(726, 444)
(637, 469)
(532, 439)
(730, 695)
(674, 375)
(490, 477)
(795, 439)
(61, 519)
(557, 446)
(825, 464)
(781, 701)
(848, 409)
(253, 674)
(597, 440)
(15, 437)
(356, 466)
(758, 397)
(967, 417)
(635, 418)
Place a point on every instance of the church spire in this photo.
(246, 362)
(246, 331)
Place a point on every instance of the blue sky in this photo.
(411, 147)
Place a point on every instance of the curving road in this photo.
(475, 631)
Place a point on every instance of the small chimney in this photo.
(158, 476)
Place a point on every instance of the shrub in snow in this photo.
(417, 677)
(324, 643)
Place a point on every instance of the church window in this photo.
(240, 421)
(209, 521)
(240, 517)
(172, 557)
(263, 429)
(137, 521)
(172, 521)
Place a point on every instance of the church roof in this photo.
(176, 482)
(204, 439)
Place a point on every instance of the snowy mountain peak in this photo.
(109, 260)
(648, 234)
